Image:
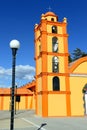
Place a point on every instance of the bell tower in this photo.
(51, 56)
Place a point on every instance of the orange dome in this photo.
(50, 13)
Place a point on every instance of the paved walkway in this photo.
(27, 120)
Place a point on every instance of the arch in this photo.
(52, 19)
(54, 29)
(76, 63)
(55, 44)
(55, 64)
(84, 90)
(56, 84)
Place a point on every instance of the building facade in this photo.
(60, 88)
(59, 84)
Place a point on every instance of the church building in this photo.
(60, 87)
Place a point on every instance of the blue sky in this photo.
(17, 20)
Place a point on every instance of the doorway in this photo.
(85, 102)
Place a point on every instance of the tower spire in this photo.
(49, 8)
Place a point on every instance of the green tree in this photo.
(78, 53)
(70, 59)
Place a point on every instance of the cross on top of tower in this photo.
(49, 8)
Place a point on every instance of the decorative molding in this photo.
(52, 74)
(53, 92)
(78, 75)
(51, 53)
(58, 35)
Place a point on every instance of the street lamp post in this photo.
(14, 45)
(15, 96)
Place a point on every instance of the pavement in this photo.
(27, 120)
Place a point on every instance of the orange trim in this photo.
(51, 53)
(44, 97)
(65, 40)
(68, 101)
(66, 65)
(50, 14)
(68, 104)
(44, 42)
(44, 69)
(49, 34)
(43, 32)
(31, 102)
(36, 28)
(35, 41)
(18, 94)
(2, 102)
(57, 35)
(77, 62)
(52, 74)
(56, 23)
(36, 104)
(45, 105)
(29, 85)
(58, 54)
(54, 92)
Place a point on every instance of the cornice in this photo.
(53, 92)
(50, 53)
(52, 74)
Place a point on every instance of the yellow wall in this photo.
(76, 86)
(60, 31)
(56, 105)
(77, 83)
(49, 83)
(30, 102)
(49, 30)
(1, 102)
(6, 103)
(39, 105)
(39, 82)
(62, 83)
(49, 44)
(82, 68)
(60, 45)
(49, 63)
(61, 65)
(39, 66)
(22, 105)
(33, 100)
(38, 48)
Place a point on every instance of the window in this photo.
(85, 89)
(52, 19)
(18, 98)
(55, 64)
(54, 29)
(56, 84)
(54, 44)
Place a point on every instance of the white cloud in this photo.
(24, 73)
